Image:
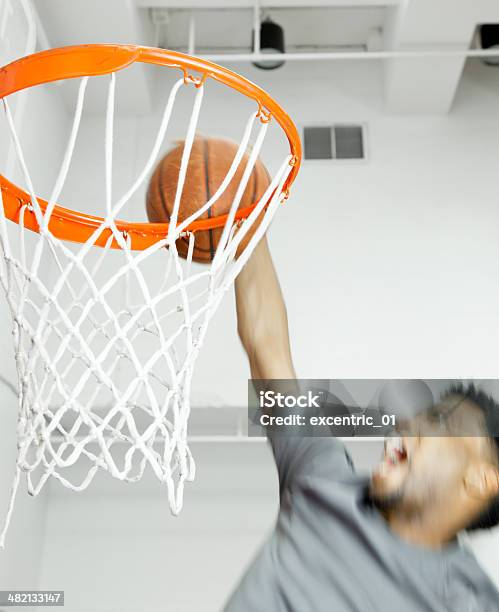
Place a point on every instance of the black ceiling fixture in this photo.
(489, 39)
(271, 41)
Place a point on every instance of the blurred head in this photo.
(443, 464)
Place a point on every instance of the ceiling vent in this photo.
(334, 142)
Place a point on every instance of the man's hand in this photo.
(262, 320)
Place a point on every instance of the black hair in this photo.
(490, 410)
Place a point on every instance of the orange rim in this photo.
(95, 60)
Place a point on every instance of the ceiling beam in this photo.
(240, 4)
(426, 85)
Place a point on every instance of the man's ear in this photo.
(481, 481)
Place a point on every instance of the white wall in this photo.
(389, 267)
(42, 128)
(118, 548)
(379, 260)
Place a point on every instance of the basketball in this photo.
(209, 163)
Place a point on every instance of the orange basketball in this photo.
(209, 163)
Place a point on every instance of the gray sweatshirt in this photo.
(331, 551)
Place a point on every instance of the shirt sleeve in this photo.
(300, 457)
(297, 452)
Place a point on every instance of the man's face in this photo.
(427, 464)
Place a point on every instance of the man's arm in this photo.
(262, 320)
(263, 328)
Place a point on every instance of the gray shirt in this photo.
(331, 551)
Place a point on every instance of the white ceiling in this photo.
(305, 28)
(411, 86)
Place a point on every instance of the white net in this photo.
(104, 379)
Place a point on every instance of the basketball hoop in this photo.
(104, 381)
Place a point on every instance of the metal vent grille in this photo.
(334, 142)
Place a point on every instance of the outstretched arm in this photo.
(263, 328)
(262, 320)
